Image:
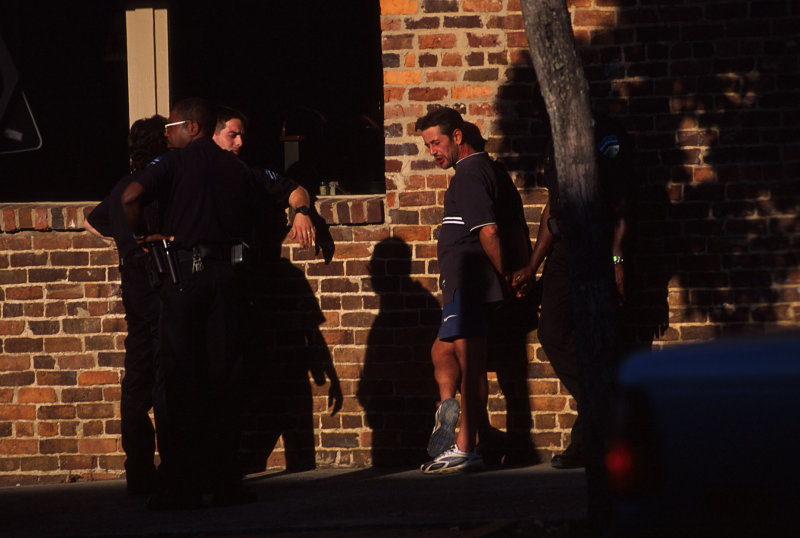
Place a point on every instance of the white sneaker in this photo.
(453, 460)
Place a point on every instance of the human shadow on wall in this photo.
(397, 389)
(283, 347)
(507, 356)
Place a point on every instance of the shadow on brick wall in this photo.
(284, 345)
(396, 387)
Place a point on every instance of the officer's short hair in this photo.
(226, 114)
(197, 110)
(447, 119)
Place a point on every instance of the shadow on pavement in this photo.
(327, 502)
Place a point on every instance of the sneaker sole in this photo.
(443, 435)
(455, 469)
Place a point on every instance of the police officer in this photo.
(209, 198)
(556, 325)
(140, 298)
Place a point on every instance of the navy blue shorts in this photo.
(462, 319)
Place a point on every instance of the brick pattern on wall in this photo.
(339, 370)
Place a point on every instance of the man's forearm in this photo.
(299, 198)
(544, 241)
(490, 241)
(131, 206)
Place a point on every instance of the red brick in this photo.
(58, 446)
(81, 326)
(55, 412)
(24, 293)
(482, 6)
(97, 446)
(87, 275)
(18, 446)
(44, 327)
(98, 377)
(47, 429)
(23, 345)
(62, 345)
(56, 378)
(10, 327)
(398, 42)
(94, 394)
(28, 259)
(64, 291)
(17, 412)
(95, 411)
(76, 463)
(69, 258)
(36, 395)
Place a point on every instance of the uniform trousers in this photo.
(199, 385)
(142, 305)
(557, 330)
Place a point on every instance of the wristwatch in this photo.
(303, 210)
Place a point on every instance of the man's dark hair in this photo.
(447, 119)
(146, 141)
(473, 137)
(197, 110)
(225, 114)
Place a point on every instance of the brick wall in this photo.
(709, 91)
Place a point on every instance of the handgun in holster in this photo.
(165, 259)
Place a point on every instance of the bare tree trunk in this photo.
(587, 231)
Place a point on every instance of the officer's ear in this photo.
(458, 136)
(192, 127)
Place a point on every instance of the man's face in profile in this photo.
(177, 132)
(231, 136)
(443, 148)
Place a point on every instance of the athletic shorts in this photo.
(462, 319)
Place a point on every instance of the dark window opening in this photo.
(307, 69)
(297, 68)
(69, 61)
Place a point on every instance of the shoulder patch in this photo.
(609, 146)
(154, 161)
(270, 174)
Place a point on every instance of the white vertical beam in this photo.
(148, 63)
(162, 62)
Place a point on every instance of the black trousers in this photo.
(142, 305)
(557, 330)
(199, 385)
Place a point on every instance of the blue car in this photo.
(707, 440)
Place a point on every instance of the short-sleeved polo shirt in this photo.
(480, 193)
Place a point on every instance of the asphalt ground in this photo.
(526, 501)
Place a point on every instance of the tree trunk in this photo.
(587, 230)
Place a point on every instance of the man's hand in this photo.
(303, 230)
(522, 280)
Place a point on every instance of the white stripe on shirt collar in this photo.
(470, 155)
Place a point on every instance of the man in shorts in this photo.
(482, 230)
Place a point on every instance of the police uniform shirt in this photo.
(108, 218)
(480, 193)
(210, 194)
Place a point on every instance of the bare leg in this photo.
(446, 368)
(471, 355)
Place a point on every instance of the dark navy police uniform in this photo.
(210, 202)
(556, 326)
(140, 299)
